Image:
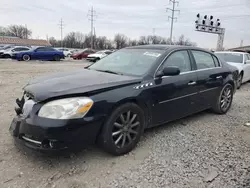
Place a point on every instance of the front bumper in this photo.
(55, 135)
(13, 56)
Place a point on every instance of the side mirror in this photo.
(168, 71)
(247, 62)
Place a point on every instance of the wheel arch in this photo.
(141, 104)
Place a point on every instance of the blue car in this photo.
(41, 53)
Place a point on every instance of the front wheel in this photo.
(224, 100)
(123, 129)
(26, 57)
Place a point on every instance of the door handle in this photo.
(219, 77)
(191, 83)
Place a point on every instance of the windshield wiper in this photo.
(108, 71)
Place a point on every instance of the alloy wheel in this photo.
(26, 57)
(125, 129)
(226, 98)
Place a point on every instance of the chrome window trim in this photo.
(192, 71)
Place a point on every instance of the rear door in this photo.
(210, 77)
(174, 96)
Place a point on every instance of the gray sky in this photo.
(131, 17)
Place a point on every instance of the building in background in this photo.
(241, 49)
(22, 42)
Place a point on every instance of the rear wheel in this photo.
(26, 57)
(123, 129)
(57, 58)
(224, 100)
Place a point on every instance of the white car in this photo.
(11, 52)
(240, 60)
(66, 52)
(98, 55)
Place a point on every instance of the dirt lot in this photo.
(204, 150)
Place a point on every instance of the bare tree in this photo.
(18, 31)
(70, 40)
(184, 42)
(120, 40)
(53, 41)
(3, 31)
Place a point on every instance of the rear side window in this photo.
(216, 61)
(203, 60)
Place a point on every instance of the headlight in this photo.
(69, 108)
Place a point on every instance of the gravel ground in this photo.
(203, 151)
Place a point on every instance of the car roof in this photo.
(231, 52)
(164, 47)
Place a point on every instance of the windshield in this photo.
(100, 52)
(231, 57)
(6, 47)
(128, 61)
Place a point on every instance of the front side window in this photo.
(230, 57)
(203, 60)
(179, 59)
(136, 62)
(40, 49)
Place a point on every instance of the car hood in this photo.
(95, 55)
(76, 82)
(237, 65)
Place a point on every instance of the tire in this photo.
(239, 81)
(56, 58)
(119, 137)
(26, 57)
(224, 100)
(6, 56)
(97, 59)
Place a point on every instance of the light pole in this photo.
(208, 25)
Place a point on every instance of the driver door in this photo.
(174, 96)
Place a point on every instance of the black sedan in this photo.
(114, 100)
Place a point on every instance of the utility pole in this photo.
(61, 28)
(92, 15)
(241, 43)
(173, 10)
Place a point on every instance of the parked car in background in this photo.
(83, 53)
(3, 49)
(41, 53)
(11, 52)
(66, 52)
(98, 55)
(112, 101)
(241, 60)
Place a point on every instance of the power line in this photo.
(173, 10)
(61, 28)
(92, 15)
